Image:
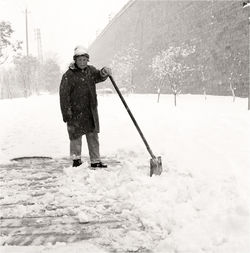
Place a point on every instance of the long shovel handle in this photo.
(132, 117)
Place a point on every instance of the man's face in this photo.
(82, 61)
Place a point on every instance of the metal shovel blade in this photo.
(155, 166)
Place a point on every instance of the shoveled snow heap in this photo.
(200, 203)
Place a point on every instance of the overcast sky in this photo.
(63, 23)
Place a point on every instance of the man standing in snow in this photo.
(78, 101)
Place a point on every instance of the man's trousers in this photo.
(93, 147)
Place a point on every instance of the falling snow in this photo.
(200, 203)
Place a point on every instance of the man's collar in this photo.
(74, 67)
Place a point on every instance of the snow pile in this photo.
(176, 211)
(200, 203)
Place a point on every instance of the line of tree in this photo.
(176, 67)
(168, 68)
(26, 75)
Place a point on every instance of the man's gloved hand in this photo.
(105, 71)
(68, 117)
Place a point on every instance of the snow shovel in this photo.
(155, 162)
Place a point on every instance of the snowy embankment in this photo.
(200, 203)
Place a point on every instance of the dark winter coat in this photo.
(78, 100)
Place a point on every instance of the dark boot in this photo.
(99, 165)
(77, 162)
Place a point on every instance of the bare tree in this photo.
(50, 76)
(123, 66)
(7, 45)
(169, 67)
(26, 68)
(203, 63)
(235, 65)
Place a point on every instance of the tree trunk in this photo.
(249, 97)
(159, 93)
(233, 92)
(204, 93)
(175, 102)
(9, 90)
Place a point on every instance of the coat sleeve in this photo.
(64, 93)
(98, 76)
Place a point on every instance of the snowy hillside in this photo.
(200, 203)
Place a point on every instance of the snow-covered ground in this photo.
(200, 203)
